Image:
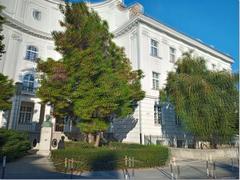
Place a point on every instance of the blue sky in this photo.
(215, 22)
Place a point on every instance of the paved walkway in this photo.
(38, 167)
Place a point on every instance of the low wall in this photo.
(203, 154)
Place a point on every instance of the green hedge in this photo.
(13, 144)
(109, 157)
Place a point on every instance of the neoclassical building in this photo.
(150, 45)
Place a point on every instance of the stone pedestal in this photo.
(45, 139)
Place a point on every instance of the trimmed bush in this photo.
(13, 144)
(109, 157)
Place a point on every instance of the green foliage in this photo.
(2, 20)
(7, 91)
(6, 86)
(110, 157)
(206, 101)
(94, 80)
(13, 144)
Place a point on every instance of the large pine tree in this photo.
(94, 80)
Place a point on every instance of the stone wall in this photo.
(203, 154)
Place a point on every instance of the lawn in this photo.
(109, 157)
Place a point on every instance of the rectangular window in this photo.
(154, 48)
(155, 80)
(157, 114)
(177, 120)
(214, 66)
(172, 54)
(26, 112)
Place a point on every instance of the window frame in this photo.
(177, 120)
(172, 54)
(155, 80)
(154, 48)
(32, 53)
(157, 114)
(26, 113)
(214, 66)
(28, 84)
(37, 15)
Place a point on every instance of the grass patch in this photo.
(109, 157)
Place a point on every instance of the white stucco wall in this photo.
(130, 32)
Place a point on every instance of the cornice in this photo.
(58, 2)
(103, 3)
(172, 33)
(126, 27)
(26, 29)
(184, 38)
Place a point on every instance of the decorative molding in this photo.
(17, 37)
(184, 38)
(145, 33)
(172, 33)
(164, 41)
(127, 28)
(26, 29)
(136, 10)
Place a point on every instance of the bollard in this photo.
(71, 167)
(178, 171)
(171, 169)
(207, 168)
(65, 165)
(126, 166)
(3, 167)
(214, 170)
(126, 159)
(232, 164)
(129, 162)
(133, 173)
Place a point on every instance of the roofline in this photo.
(100, 4)
(172, 32)
(183, 37)
(188, 36)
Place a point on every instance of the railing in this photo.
(31, 127)
(153, 139)
(28, 90)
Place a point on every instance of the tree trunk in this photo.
(97, 140)
(90, 138)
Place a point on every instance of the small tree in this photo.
(2, 20)
(6, 85)
(206, 101)
(7, 90)
(93, 81)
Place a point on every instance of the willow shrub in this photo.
(110, 157)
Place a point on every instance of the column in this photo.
(36, 112)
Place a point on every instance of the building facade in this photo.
(150, 46)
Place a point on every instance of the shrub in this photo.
(109, 157)
(13, 144)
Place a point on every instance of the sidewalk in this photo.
(38, 167)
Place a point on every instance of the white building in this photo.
(150, 46)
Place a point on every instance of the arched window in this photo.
(28, 82)
(31, 53)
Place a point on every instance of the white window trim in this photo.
(157, 114)
(35, 17)
(31, 51)
(172, 54)
(156, 47)
(24, 113)
(156, 80)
